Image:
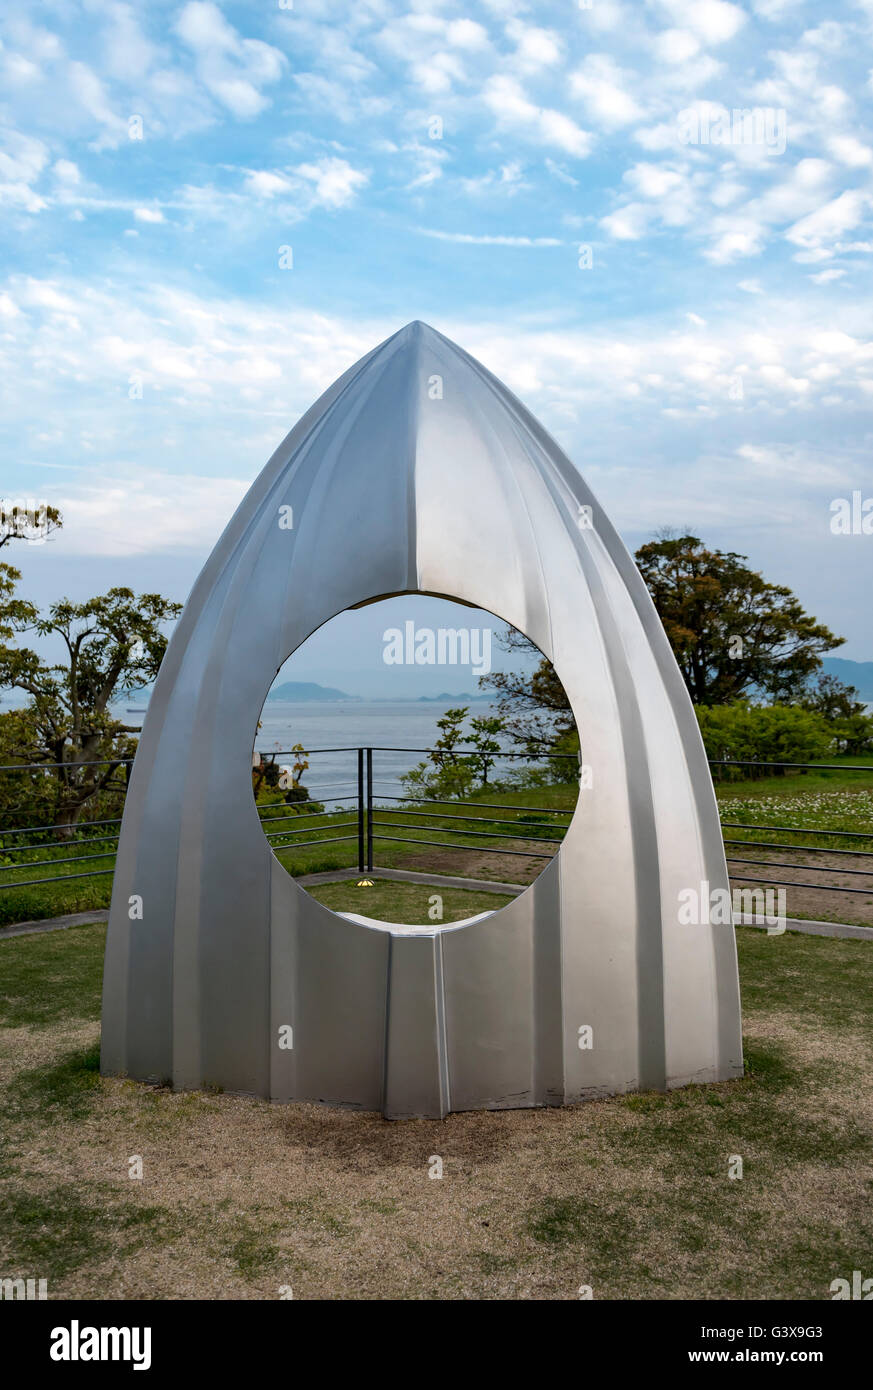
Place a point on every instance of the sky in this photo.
(209, 211)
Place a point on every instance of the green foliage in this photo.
(854, 734)
(851, 726)
(533, 706)
(762, 733)
(452, 771)
(561, 767)
(733, 633)
(114, 645)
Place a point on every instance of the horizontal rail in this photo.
(476, 820)
(805, 868)
(53, 767)
(787, 883)
(457, 753)
(292, 816)
(349, 796)
(480, 834)
(812, 767)
(800, 849)
(491, 805)
(60, 844)
(334, 840)
(438, 844)
(799, 830)
(81, 825)
(306, 752)
(309, 830)
(61, 878)
(73, 859)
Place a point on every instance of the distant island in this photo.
(445, 695)
(300, 691)
(856, 673)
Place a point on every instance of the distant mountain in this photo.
(465, 699)
(300, 691)
(856, 673)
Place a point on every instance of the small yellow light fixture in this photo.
(364, 883)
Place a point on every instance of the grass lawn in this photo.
(412, 903)
(630, 1195)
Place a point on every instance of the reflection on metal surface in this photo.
(417, 471)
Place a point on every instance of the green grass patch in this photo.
(51, 1233)
(63, 1090)
(51, 977)
(393, 901)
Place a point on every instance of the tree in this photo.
(748, 733)
(831, 697)
(452, 769)
(25, 523)
(532, 706)
(846, 715)
(486, 744)
(271, 779)
(733, 633)
(113, 645)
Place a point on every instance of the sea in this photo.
(332, 731)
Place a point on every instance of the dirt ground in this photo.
(630, 1196)
(817, 904)
(812, 903)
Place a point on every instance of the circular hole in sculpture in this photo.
(416, 763)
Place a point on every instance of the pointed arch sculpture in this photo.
(398, 485)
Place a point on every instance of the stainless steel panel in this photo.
(398, 487)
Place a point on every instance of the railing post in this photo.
(369, 808)
(361, 864)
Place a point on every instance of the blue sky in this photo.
(708, 365)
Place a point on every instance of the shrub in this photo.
(762, 733)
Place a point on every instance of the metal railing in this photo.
(363, 813)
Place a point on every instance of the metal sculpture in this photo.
(419, 472)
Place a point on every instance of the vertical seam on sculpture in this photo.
(412, 565)
(389, 954)
(439, 992)
(488, 382)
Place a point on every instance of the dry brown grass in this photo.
(631, 1196)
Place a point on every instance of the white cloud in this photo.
(66, 172)
(603, 88)
(507, 100)
(734, 238)
(91, 94)
(22, 160)
(141, 511)
(653, 180)
(264, 183)
(850, 151)
(535, 48)
(466, 33)
(329, 182)
(714, 21)
(676, 45)
(830, 221)
(232, 69)
(628, 223)
(334, 182)
(148, 215)
(471, 239)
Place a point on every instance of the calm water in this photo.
(405, 725)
